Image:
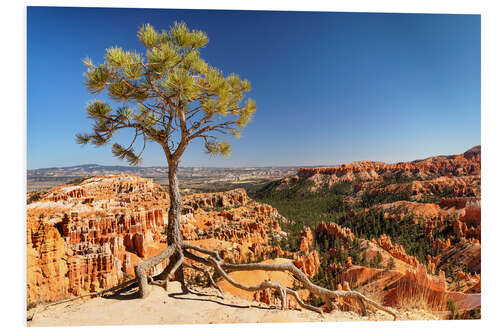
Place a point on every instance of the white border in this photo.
(13, 139)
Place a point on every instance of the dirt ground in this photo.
(202, 306)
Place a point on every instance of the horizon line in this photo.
(241, 167)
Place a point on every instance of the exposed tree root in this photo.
(207, 274)
(283, 291)
(214, 260)
(317, 290)
(142, 268)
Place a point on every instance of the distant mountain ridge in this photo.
(133, 168)
(467, 163)
(190, 176)
(94, 166)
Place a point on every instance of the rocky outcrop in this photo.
(396, 250)
(210, 201)
(420, 190)
(417, 285)
(46, 263)
(305, 240)
(413, 288)
(333, 230)
(308, 263)
(465, 164)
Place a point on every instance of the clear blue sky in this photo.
(330, 87)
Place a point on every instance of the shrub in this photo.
(453, 308)
(34, 197)
(390, 264)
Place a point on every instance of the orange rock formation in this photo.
(88, 237)
(468, 163)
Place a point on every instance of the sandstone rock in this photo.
(397, 251)
(348, 263)
(305, 240)
(94, 233)
(468, 163)
(334, 230)
(308, 263)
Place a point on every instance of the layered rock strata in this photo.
(88, 237)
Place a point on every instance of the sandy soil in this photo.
(202, 306)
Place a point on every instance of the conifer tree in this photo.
(169, 96)
(172, 97)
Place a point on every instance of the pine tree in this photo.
(169, 96)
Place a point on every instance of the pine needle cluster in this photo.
(168, 95)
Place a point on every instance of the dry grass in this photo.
(373, 293)
(412, 296)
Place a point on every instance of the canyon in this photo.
(87, 236)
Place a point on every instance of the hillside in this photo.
(426, 213)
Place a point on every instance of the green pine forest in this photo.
(305, 208)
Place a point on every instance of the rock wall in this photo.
(46, 263)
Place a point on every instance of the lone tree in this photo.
(171, 96)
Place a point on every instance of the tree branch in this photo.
(211, 128)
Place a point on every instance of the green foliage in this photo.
(390, 264)
(214, 148)
(475, 313)
(334, 251)
(405, 232)
(167, 94)
(123, 153)
(453, 308)
(451, 305)
(440, 193)
(307, 208)
(370, 198)
(304, 207)
(34, 197)
(377, 261)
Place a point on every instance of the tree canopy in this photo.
(168, 95)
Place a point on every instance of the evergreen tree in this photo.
(169, 96)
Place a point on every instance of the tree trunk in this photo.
(174, 234)
(173, 253)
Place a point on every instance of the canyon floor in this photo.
(201, 306)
